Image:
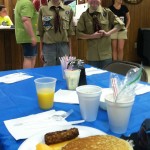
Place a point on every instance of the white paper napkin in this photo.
(15, 77)
(25, 127)
(66, 96)
(71, 97)
(93, 70)
(142, 89)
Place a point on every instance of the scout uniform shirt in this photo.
(98, 49)
(46, 24)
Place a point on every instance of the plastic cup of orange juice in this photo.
(45, 88)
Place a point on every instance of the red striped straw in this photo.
(114, 87)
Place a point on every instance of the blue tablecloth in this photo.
(19, 99)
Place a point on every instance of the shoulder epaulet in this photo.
(67, 7)
(106, 8)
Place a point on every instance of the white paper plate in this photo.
(84, 131)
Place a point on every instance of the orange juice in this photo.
(45, 98)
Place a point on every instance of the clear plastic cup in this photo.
(63, 67)
(89, 96)
(119, 112)
(72, 78)
(45, 88)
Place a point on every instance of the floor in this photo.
(147, 68)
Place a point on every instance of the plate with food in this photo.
(58, 137)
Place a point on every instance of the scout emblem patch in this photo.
(47, 22)
(67, 12)
(104, 14)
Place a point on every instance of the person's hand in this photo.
(42, 58)
(97, 35)
(33, 40)
(104, 33)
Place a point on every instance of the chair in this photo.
(143, 45)
(122, 67)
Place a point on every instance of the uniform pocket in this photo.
(89, 26)
(65, 21)
(105, 25)
(48, 22)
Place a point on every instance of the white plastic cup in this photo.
(72, 78)
(89, 96)
(63, 67)
(119, 112)
(45, 88)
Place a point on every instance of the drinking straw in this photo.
(114, 87)
(65, 60)
(130, 82)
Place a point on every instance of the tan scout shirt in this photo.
(46, 24)
(98, 49)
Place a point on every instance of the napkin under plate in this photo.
(25, 127)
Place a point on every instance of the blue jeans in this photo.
(100, 64)
(29, 50)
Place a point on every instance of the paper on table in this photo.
(92, 70)
(25, 127)
(66, 96)
(142, 89)
(15, 77)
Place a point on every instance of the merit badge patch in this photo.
(47, 22)
(104, 14)
(67, 12)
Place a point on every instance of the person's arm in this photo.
(70, 46)
(95, 35)
(28, 27)
(71, 30)
(128, 20)
(109, 32)
(41, 51)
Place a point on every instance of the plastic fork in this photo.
(62, 116)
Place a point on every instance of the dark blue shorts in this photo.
(29, 50)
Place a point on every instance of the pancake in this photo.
(98, 142)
